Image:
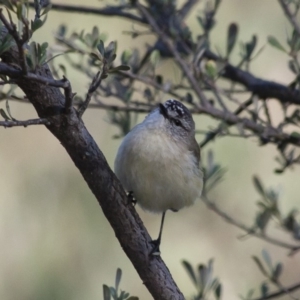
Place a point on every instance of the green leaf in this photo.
(264, 289)
(262, 219)
(37, 23)
(155, 58)
(100, 48)
(275, 43)
(118, 278)
(278, 271)
(110, 50)
(218, 291)
(4, 115)
(295, 134)
(133, 298)
(258, 185)
(7, 42)
(231, 38)
(250, 47)
(46, 9)
(267, 258)
(211, 68)
(8, 110)
(188, 267)
(202, 271)
(260, 265)
(119, 68)
(106, 292)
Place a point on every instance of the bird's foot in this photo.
(155, 250)
(131, 198)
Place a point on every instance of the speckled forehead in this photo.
(176, 107)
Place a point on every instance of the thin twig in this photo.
(262, 88)
(165, 39)
(117, 11)
(8, 124)
(249, 230)
(291, 17)
(93, 87)
(280, 292)
(186, 8)
(273, 135)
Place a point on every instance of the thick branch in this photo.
(74, 137)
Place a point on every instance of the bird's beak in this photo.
(163, 110)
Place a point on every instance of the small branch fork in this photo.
(292, 17)
(93, 87)
(15, 123)
(172, 49)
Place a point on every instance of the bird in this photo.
(158, 162)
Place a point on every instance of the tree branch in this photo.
(280, 292)
(7, 124)
(71, 132)
(292, 247)
(186, 8)
(113, 11)
(165, 39)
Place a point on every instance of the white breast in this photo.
(161, 174)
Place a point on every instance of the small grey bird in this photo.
(159, 162)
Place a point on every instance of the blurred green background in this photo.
(55, 242)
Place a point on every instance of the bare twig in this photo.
(94, 85)
(7, 124)
(165, 39)
(186, 8)
(291, 17)
(117, 11)
(281, 292)
(292, 247)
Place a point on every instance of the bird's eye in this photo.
(177, 122)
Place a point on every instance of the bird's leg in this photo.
(131, 198)
(156, 243)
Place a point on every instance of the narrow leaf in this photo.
(118, 278)
(218, 291)
(278, 271)
(258, 185)
(190, 271)
(106, 292)
(4, 115)
(260, 265)
(267, 258)
(231, 37)
(275, 43)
